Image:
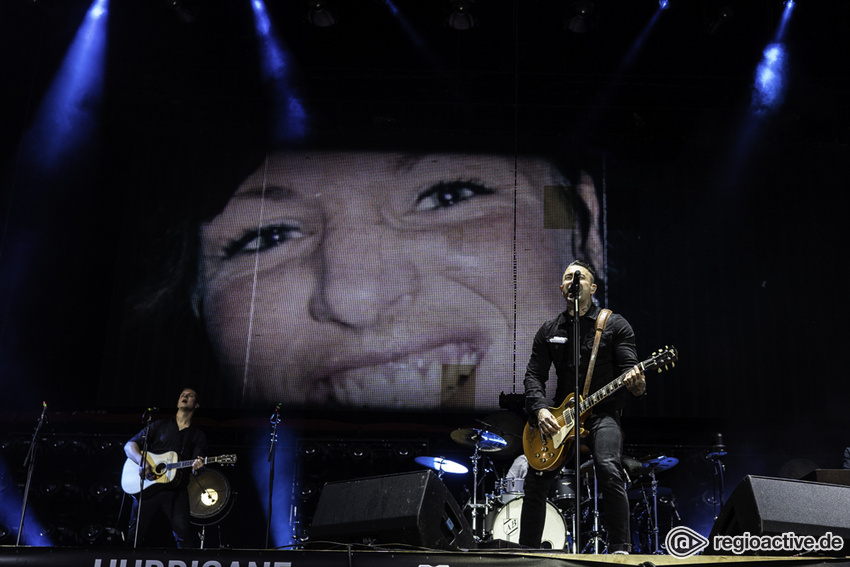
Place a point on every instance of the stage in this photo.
(77, 557)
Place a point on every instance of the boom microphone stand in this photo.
(29, 462)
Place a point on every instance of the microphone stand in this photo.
(576, 422)
(275, 420)
(29, 462)
(146, 418)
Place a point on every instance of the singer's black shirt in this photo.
(166, 435)
(552, 346)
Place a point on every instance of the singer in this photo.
(616, 355)
(176, 434)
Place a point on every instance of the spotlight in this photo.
(322, 13)
(461, 15)
(725, 13)
(90, 533)
(579, 22)
(185, 11)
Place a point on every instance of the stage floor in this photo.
(88, 557)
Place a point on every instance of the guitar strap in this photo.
(601, 321)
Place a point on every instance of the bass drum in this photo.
(506, 525)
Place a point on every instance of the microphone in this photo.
(575, 284)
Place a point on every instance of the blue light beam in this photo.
(11, 506)
(68, 115)
(290, 119)
(769, 84)
(282, 530)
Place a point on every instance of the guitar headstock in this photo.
(226, 459)
(663, 359)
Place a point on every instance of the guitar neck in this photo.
(189, 463)
(606, 390)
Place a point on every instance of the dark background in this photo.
(725, 237)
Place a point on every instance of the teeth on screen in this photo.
(412, 382)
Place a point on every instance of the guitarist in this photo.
(616, 355)
(176, 434)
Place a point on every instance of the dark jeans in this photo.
(175, 505)
(605, 440)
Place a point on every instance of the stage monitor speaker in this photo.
(414, 509)
(764, 506)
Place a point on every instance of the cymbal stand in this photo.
(654, 484)
(476, 455)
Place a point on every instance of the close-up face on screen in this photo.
(387, 280)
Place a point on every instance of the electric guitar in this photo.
(164, 467)
(546, 452)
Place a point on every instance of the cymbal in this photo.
(484, 440)
(508, 425)
(440, 464)
(659, 462)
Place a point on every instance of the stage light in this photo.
(462, 15)
(90, 533)
(663, 4)
(185, 10)
(724, 13)
(579, 21)
(322, 13)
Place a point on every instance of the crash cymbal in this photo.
(508, 425)
(659, 462)
(484, 440)
(440, 464)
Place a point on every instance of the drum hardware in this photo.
(441, 465)
(595, 541)
(481, 441)
(651, 464)
(642, 517)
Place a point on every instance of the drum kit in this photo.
(494, 514)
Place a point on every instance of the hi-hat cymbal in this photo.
(659, 462)
(484, 440)
(440, 464)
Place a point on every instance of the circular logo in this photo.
(683, 542)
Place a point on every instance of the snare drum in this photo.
(507, 520)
